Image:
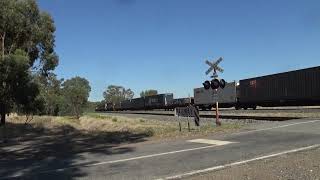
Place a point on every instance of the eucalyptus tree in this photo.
(115, 94)
(149, 92)
(27, 44)
(76, 93)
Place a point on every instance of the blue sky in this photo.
(162, 44)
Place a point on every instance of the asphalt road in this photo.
(175, 158)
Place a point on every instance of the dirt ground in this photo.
(297, 166)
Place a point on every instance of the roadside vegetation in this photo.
(102, 126)
(28, 84)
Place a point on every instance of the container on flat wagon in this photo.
(126, 105)
(181, 102)
(158, 101)
(300, 87)
(226, 97)
(137, 104)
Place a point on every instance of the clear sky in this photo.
(162, 44)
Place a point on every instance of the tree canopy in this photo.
(149, 92)
(115, 94)
(51, 94)
(23, 26)
(26, 48)
(76, 93)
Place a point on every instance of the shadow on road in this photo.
(39, 149)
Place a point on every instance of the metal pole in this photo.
(218, 123)
(175, 114)
(180, 125)
(188, 124)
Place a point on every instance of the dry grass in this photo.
(102, 124)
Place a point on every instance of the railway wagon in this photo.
(182, 102)
(137, 104)
(206, 99)
(126, 105)
(293, 88)
(160, 101)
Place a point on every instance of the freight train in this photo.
(293, 88)
(160, 101)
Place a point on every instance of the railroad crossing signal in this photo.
(214, 66)
(215, 83)
(206, 85)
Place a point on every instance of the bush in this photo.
(114, 119)
(149, 132)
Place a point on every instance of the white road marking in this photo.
(161, 154)
(152, 155)
(191, 173)
(210, 141)
(287, 125)
(122, 160)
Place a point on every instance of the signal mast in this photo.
(215, 83)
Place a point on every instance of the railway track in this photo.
(170, 113)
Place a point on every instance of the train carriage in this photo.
(138, 104)
(297, 88)
(160, 101)
(126, 105)
(293, 88)
(182, 102)
(206, 99)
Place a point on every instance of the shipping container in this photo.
(138, 104)
(126, 105)
(300, 87)
(206, 99)
(182, 102)
(158, 101)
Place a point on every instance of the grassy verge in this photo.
(109, 128)
(162, 129)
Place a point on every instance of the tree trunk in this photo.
(3, 122)
(3, 114)
(2, 44)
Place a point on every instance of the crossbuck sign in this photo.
(214, 66)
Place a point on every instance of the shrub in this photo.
(114, 119)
